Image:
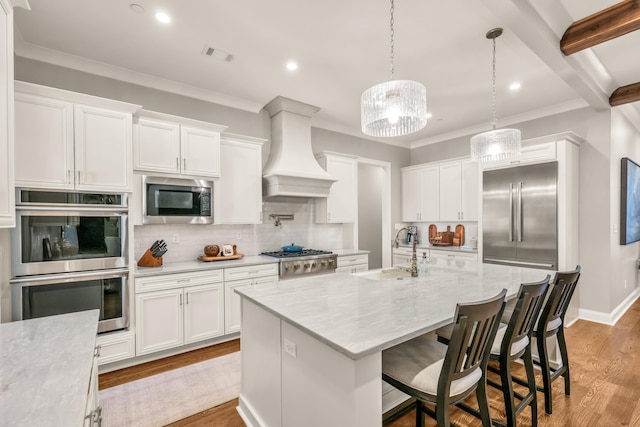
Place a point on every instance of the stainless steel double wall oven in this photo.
(70, 254)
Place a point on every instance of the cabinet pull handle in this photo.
(68, 176)
(186, 298)
(180, 299)
(184, 164)
(96, 352)
(328, 216)
(78, 177)
(178, 163)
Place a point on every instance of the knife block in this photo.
(148, 260)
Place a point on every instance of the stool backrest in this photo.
(525, 313)
(564, 283)
(473, 332)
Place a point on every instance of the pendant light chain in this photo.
(392, 34)
(494, 122)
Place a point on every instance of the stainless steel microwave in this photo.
(176, 201)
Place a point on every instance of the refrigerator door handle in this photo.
(511, 212)
(520, 216)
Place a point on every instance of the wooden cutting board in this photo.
(219, 258)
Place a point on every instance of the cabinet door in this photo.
(343, 195)
(411, 195)
(232, 313)
(239, 193)
(450, 189)
(43, 142)
(7, 159)
(429, 190)
(103, 149)
(156, 146)
(470, 191)
(203, 312)
(158, 321)
(200, 152)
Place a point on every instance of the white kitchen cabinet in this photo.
(420, 189)
(189, 307)
(243, 276)
(115, 346)
(459, 187)
(238, 192)
(70, 141)
(7, 159)
(93, 410)
(402, 256)
(439, 257)
(342, 204)
(175, 145)
(352, 263)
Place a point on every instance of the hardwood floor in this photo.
(605, 373)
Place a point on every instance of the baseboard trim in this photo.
(247, 413)
(613, 317)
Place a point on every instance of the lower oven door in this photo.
(49, 295)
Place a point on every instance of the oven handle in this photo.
(46, 279)
(71, 210)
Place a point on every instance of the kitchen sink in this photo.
(383, 274)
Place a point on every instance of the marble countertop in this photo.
(357, 315)
(420, 247)
(195, 265)
(45, 369)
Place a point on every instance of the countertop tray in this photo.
(219, 258)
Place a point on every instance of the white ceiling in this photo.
(342, 48)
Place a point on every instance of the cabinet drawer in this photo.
(344, 261)
(239, 273)
(171, 281)
(115, 347)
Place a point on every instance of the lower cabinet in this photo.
(115, 346)
(182, 315)
(352, 263)
(93, 410)
(243, 276)
(450, 258)
(403, 256)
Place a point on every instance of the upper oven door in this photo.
(58, 239)
(174, 200)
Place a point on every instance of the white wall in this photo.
(370, 212)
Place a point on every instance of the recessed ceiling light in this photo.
(292, 66)
(515, 86)
(163, 17)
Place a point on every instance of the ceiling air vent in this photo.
(216, 53)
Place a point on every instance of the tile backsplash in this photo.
(249, 239)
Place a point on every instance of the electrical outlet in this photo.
(290, 348)
(615, 228)
(175, 238)
(239, 235)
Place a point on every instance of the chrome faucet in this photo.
(414, 258)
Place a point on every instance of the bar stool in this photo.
(512, 342)
(434, 373)
(550, 323)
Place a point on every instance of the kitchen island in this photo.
(312, 347)
(47, 370)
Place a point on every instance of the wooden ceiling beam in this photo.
(625, 94)
(615, 21)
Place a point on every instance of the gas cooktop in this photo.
(296, 254)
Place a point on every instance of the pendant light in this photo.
(395, 107)
(496, 144)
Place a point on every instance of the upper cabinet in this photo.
(420, 187)
(176, 146)
(342, 204)
(440, 192)
(7, 193)
(238, 192)
(459, 184)
(71, 141)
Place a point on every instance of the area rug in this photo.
(173, 395)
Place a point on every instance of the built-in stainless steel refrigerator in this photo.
(520, 216)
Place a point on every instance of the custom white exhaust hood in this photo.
(292, 170)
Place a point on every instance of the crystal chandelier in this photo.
(396, 107)
(496, 144)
